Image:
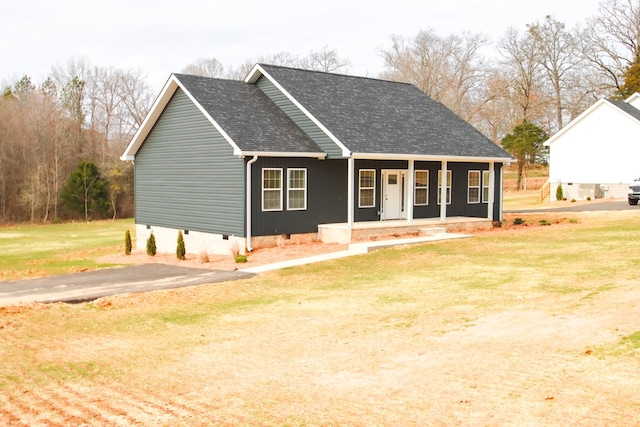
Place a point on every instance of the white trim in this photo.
(584, 114)
(415, 187)
(443, 175)
(253, 76)
(320, 156)
(360, 188)
(486, 185)
(442, 189)
(158, 107)
(248, 197)
(410, 191)
(272, 189)
(492, 196)
(350, 191)
(422, 157)
(289, 188)
(469, 187)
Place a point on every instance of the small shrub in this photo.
(588, 198)
(180, 249)
(497, 224)
(203, 257)
(544, 222)
(573, 221)
(518, 221)
(573, 200)
(127, 242)
(240, 258)
(559, 193)
(151, 245)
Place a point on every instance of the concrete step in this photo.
(430, 231)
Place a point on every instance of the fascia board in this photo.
(280, 154)
(257, 71)
(574, 122)
(422, 157)
(156, 110)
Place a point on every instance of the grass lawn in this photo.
(530, 325)
(42, 250)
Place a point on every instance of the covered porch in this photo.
(374, 230)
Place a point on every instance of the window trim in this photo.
(271, 190)
(477, 187)
(360, 188)
(486, 181)
(449, 178)
(421, 187)
(303, 189)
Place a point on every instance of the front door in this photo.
(394, 190)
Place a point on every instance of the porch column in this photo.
(350, 185)
(410, 184)
(443, 192)
(492, 192)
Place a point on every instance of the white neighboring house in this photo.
(596, 155)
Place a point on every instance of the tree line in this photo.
(60, 141)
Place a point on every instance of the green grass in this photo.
(41, 250)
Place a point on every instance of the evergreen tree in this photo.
(631, 83)
(151, 245)
(525, 144)
(127, 242)
(85, 191)
(180, 250)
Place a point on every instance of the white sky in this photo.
(158, 37)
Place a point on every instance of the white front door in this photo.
(394, 190)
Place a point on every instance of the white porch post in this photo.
(410, 184)
(350, 191)
(492, 186)
(443, 192)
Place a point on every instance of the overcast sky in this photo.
(158, 37)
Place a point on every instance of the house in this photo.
(596, 154)
(287, 151)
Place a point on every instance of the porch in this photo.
(374, 230)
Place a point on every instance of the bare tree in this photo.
(611, 40)
(559, 56)
(206, 67)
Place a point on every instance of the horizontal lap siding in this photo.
(187, 176)
(299, 118)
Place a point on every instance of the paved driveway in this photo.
(90, 285)
(605, 205)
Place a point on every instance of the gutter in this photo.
(248, 203)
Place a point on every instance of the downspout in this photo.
(248, 195)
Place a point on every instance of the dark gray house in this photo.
(286, 150)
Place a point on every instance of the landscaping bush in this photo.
(151, 245)
(559, 193)
(518, 221)
(127, 242)
(180, 250)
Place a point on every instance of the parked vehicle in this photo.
(634, 192)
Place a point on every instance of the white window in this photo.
(367, 188)
(473, 187)
(421, 192)
(297, 189)
(485, 186)
(448, 187)
(271, 189)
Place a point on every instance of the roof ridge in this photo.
(333, 74)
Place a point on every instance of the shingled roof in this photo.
(247, 115)
(378, 116)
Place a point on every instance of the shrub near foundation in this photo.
(180, 250)
(151, 245)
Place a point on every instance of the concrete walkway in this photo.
(354, 249)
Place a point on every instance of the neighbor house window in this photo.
(271, 189)
(297, 189)
(473, 188)
(421, 192)
(485, 186)
(448, 185)
(367, 188)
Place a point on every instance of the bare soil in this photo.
(346, 362)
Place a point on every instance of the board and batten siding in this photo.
(299, 118)
(186, 176)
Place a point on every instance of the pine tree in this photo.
(559, 192)
(151, 245)
(127, 242)
(180, 250)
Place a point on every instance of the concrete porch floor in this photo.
(372, 230)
